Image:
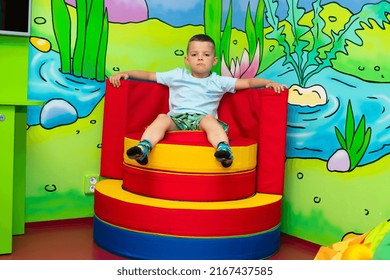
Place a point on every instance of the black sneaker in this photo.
(138, 154)
(224, 157)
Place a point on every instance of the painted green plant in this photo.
(254, 30)
(90, 48)
(354, 142)
(311, 49)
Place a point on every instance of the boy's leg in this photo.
(151, 136)
(218, 139)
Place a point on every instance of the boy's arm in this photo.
(259, 82)
(115, 79)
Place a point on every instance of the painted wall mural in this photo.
(331, 54)
(338, 123)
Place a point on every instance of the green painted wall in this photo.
(13, 68)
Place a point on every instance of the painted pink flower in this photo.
(242, 68)
(123, 11)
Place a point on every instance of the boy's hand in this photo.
(115, 79)
(276, 86)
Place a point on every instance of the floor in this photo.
(73, 240)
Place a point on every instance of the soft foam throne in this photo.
(184, 204)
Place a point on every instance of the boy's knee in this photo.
(208, 118)
(163, 117)
(165, 121)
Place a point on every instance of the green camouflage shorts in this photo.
(191, 122)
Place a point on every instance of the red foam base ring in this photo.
(189, 187)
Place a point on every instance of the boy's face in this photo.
(201, 58)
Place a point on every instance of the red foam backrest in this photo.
(260, 114)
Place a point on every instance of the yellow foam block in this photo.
(113, 188)
(193, 159)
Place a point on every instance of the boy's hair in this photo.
(201, 38)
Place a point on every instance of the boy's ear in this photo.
(215, 60)
(186, 60)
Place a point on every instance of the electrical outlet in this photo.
(90, 182)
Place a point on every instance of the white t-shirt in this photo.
(188, 94)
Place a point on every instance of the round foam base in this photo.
(141, 245)
(190, 152)
(257, 213)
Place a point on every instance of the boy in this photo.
(193, 100)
